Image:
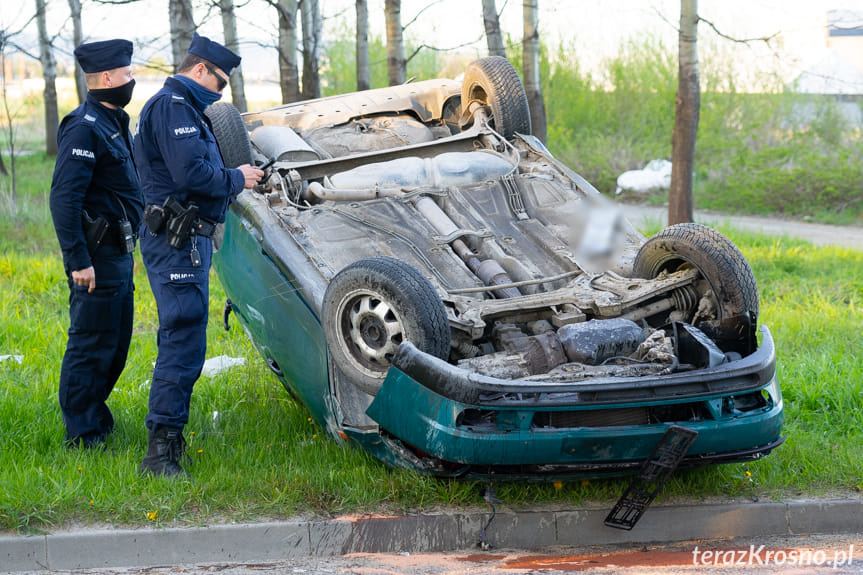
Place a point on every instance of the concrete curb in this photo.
(107, 548)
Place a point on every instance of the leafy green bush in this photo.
(602, 125)
(771, 152)
(800, 161)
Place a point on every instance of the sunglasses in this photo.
(221, 81)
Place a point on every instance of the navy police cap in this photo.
(214, 52)
(104, 55)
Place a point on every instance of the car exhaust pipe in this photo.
(451, 170)
(489, 271)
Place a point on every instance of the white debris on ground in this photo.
(216, 365)
(656, 175)
(18, 358)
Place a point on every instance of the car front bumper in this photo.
(436, 414)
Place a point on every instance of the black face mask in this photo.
(117, 96)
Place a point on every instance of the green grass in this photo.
(767, 153)
(261, 456)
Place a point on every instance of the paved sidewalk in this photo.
(818, 234)
(432, 532)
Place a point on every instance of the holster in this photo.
(94, 230)
(154, 218)
(180, 222)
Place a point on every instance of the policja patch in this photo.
(184, 131)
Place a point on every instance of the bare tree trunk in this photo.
(77, 40)
(493, 37)
(289, 79)
(312, 31)
(9, 127)
(229, 28)
(10, 132)
(363, 74)
(182, 28)
(532, 85)
(687, 106)
(396, 62)
(49, 73)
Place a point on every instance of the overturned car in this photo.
(425, 277)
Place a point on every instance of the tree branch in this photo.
(21, 49)
(418, 14)
(747, 41)
(277, 5)
(436, 49)
(765, 39)
(211, 6)
(5, 36)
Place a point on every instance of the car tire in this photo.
(370, 307)
(720, 262)
(231, 134)
(493, 82)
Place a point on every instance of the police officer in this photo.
(186, 188)
(96, 206)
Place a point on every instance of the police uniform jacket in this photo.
(95, 172)
(178, 156)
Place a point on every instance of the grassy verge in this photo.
(256, 454)
(767, 153)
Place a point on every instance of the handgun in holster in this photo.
(154, 218)
(94, 230)
(180, 222)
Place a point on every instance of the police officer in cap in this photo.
(186, 188)
(96, 206)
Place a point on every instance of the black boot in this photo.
(165, 447)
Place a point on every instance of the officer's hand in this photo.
(252, 175)
(85, 277)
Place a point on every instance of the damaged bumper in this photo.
(437, 414)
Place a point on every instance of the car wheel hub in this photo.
(374, 330)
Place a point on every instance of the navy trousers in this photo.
(182, 294)
(100, 329)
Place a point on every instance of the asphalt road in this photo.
(818, 234)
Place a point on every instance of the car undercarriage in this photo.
(454, 265)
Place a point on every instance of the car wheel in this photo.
(493, 82)
(373, 305)
(231, 134)
(729, 279)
